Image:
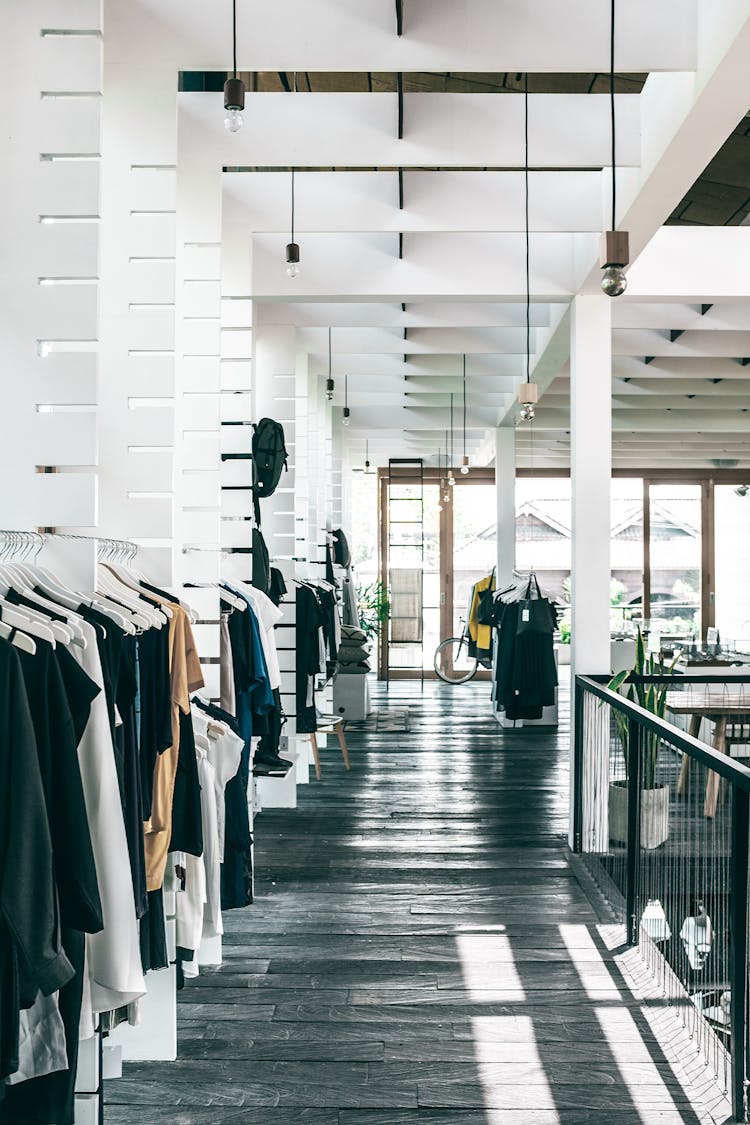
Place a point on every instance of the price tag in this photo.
(525, 614)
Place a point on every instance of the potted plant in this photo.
(654, 797)
(372, 606)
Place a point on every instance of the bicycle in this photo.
(452, 661)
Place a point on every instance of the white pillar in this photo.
(505, 492)
(274, 392)
(591, 471)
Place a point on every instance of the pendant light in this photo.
(329, 380)
(367, 455)
(615, 248)
(234, 87)
(451, 478)
(528, 392)
(440, 481)
(444, 483)
(292, 248)
(465, 458)
(347, 411)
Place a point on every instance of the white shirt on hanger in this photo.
(113, 956)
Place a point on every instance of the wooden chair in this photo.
(329, 724)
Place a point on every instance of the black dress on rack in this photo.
(525, 672)
(310, 621)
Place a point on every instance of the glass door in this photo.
(675, 561)
(450, 533)
(732, 552)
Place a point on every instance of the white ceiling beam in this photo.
(486, 267)
(691, 345)
(377, 314)
(687, 367)
(442, 35)
(430, 365)
(433, 201)
(418, 341)
(693, 264)
(441, 130)
(667, 316)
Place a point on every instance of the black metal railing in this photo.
(661, 820)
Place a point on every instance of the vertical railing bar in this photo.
(738, 887)
(578, 779)
(633, 845)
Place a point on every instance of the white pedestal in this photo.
(209, 952)
(154, 1039)
(351, 697)
(299, 752)
(87, 1109)
(279, 792)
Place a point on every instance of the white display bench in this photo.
(351, 697)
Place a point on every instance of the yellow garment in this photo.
(480, 634)
(185, 677)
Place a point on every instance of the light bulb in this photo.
(292, 259)
(614, 281)
(447, 498)
(451, 480)
(345, 418)
(527, 412)
(440, 507)
(329, 389)
(464, 470)
(233, 120)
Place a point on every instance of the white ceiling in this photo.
(411, 271)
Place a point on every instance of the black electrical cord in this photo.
(464, 404)
(292, 205)
(526, 212)
(612, 108)
(234, 38)
(451, 464)
(329, 354)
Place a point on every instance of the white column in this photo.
(591, 471)
(505, 492)
(274, 391)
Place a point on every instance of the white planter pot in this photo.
(654, 815)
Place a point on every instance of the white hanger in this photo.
(10, 615)
(132, 582)
(61, 632)
(117, 596)
(229, 596)
(18, 640)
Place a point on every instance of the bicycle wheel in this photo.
(452, 661)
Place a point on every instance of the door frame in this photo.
(431, 476)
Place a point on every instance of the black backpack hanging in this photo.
(261, 577)
(269, 458)
(341, 552)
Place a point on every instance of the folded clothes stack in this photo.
(354, 652)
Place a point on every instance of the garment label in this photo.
(525, 614)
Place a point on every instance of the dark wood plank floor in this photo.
(419, 952)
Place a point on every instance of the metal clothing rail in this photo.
(24, 542)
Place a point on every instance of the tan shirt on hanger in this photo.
(185, 676)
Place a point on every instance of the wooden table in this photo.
(719, 707)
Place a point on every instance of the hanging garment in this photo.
(481, 635)
(309, 665)
(112, 955)
(525, 671)
(29, 917)
(226, 670)
(185, 676)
